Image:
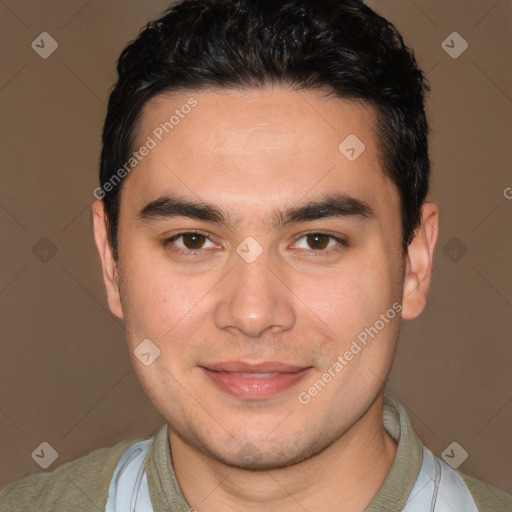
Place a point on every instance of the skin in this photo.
(301, 302)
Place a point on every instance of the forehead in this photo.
(257, 150)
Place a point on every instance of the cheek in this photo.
(155, 299)
(350, 297)
(159, 304)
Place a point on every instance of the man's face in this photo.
(243, 336)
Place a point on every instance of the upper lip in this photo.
(264, 367)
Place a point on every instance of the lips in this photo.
(256, 381)
(265, 367)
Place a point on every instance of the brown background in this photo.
(65, 373)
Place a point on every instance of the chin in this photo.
(252, 458)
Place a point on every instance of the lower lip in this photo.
(255, 388)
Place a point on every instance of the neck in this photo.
(345, 476)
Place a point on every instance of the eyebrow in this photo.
(328, 206)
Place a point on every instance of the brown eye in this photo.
(318, 240)
(318, 243)
(189, 243)
(193, 240)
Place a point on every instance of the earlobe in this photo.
(419, 263)
(108, 264)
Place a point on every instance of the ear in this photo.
(420, 254)
(108, 264)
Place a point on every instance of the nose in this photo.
(255, 299)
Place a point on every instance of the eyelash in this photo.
(189, 252)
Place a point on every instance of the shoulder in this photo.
(78, 485)
(486, 497)
(440, 486)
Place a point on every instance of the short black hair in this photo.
(339, 45)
